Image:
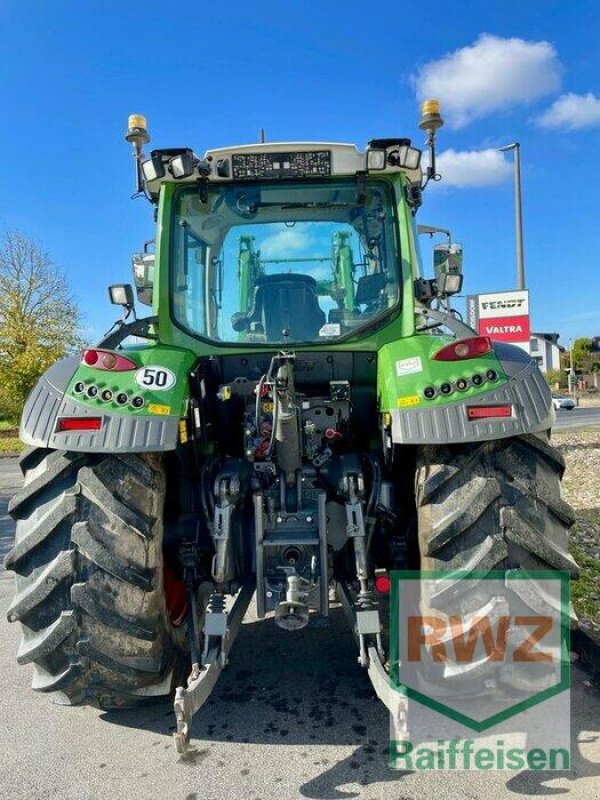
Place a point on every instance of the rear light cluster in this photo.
(464, 348)
(460, 384)
(107, 395)
(107, 360)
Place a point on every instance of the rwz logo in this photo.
(439, 634)
(480, 648)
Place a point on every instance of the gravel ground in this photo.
(581, 485)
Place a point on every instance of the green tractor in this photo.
(302, 414)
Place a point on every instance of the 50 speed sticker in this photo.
(159, 379)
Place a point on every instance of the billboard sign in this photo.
(503, 316)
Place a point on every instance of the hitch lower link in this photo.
(364, 623)
(220, 626)
(220, 629)
(363, 613)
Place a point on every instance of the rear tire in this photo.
(489, 506)
(89, 573)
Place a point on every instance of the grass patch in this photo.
(11, 445)
(7, 425)
(585, 592)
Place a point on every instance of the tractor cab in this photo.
(308, 262)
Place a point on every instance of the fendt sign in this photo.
(503, 316)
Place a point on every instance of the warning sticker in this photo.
(410, 400)
(156, 408)
(408, 366)
(331, 329)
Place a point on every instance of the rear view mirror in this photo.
(121, 294)
(143, 276)
(240, 321)
(447, 266)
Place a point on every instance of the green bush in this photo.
(554, 376)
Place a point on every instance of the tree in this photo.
(39, 320)
(582, 350)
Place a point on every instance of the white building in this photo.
(544, 348)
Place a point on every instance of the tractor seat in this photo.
(287, 302)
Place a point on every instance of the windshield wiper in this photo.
(251, 207)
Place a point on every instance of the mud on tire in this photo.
(89, 576)
(489, 506)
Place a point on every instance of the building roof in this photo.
(549, 337)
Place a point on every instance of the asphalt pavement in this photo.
(293, 716)
(577, 418)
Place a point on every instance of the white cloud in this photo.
(572, 112)
(286, 243)
(473, 168)
(489, 75)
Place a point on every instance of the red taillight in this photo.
(383, 583)
(90, 357)
(464, 348)
(78, 424)
(106, 359)
(485, 412)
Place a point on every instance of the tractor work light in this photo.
(121, 294)
(376, 159)
(153, 169)
(449, 283)
(488, 412)
(107, 360)
(71, 424)
(183, 165)
(465, 348)
(405, 156)
(409, 157)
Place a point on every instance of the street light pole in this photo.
(516, 148)
(571, 369)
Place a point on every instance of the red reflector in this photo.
(464, 348)
(484, 412)
(107, 360)
(79, 424)
(383, 583)
(175, 595)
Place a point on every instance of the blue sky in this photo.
(213, 73)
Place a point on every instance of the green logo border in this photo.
(481, 725)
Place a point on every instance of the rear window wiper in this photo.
(247, 205)
(313, 204)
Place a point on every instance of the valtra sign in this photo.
(503, 316)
